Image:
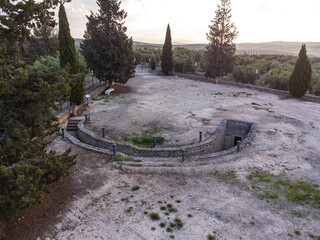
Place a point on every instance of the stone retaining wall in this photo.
(211, 145)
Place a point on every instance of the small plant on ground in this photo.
(172, 236)
(145, 213)
(162, 224)
(135, 188)
(120, 158)
(153, 228)
(163, 208)
(171, 208)
(211, 237)
(125, 199)
(190, 215)
(178, 201)
(129, 210)
(169, 229)
(297, 232)
(228, 177)
(179, 223)
(154, 216)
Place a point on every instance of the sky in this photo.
(256, 20)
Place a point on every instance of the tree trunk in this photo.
(110, 83)
(74, 112)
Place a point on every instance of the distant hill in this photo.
(291, 48)
(285, 48)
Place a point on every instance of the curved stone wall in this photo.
(218, 142)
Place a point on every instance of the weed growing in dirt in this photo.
(120, 158)
(190, 215)
(172, 236)
(135, 188)
(154, 216)
(163, 208)
(125, 199)
(171, 208)
(169, 229)
(179, 223)
(153, 228)
(129, 210)
(245, 94)
(271, 186)
(211, 237)
(297, 232)
(257, 106)
(162, 224)
(313, 236)
(228, 177)
(178, 201)
(145, 213)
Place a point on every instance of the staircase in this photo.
(73, 124)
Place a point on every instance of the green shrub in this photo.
(154, 216)
(135, 188)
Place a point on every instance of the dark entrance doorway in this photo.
(236, 139)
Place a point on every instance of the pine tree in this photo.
(43, 42)
(106, 47)
(221, 49)
(68, 55)
(26, 118)
(166, 59)
(299, 81)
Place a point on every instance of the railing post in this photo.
(85, 118)
(103, 132)
(62, 132)
(183, 151)
(154, 142)
(238, 146)
(200, 136)
(114, 147)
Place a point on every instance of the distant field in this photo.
(281, 48)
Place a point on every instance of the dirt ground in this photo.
(96, 201)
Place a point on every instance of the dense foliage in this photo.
(299, 81)
(248, 69)
(166, 58)
(145, 55)
(25, 102)
(67, 50)
(279, 77)
(221, 49)
(183, 60)
(106, 47)
(43, 42)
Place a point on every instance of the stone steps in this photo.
(73, 124)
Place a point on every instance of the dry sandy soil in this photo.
(94, 202)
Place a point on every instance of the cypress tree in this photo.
(221, 49)
(68, 56)
(166, 59)
(299, 81)
(106, 47)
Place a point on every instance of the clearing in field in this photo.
(268, 191)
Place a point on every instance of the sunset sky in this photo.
(256, 20)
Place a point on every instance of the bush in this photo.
(154, 216)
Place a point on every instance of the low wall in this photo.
(307, 97)
(65, 115)
(213, 144)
